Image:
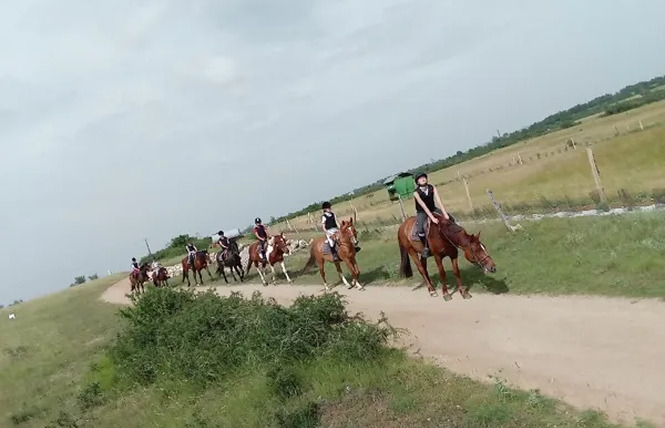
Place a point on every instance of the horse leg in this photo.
(185, 274)
(356, 280)
(272, 268)
(263, 278)
(322, 271)
(200, 276)
(209, 274)
(221, 269)
(352, 271)
(442, 273)
(341, 275)
(286, 274)
(421, 264)
(462, 290)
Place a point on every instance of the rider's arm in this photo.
(323, 223)
(422, 204)
(441, 206)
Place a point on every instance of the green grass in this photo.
(45, 352)
(611, 256)
(55, 371)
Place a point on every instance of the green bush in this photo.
(176, 335)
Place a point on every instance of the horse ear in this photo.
(350, 220)
(343, 223)
(478, 236)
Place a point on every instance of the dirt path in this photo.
(592, 352)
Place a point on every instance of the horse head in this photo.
(280, 241)
(348, 232)
(477, 254)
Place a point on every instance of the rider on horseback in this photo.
(135, 268)
(330, 228)
(261, 234)
(191, 253)
(427, 198)
(223, 242)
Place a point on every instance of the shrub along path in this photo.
(592, 352)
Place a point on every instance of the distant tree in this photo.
(79, 280)
(93, 277)
(2, 306)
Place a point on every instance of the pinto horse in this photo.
(277, 247)
(445, 239)
(320, 253)
(201, 260)
(160, 277)
(231, 260)
(137, 281)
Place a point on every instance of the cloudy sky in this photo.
(124, 120)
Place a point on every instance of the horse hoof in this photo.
(466, 295)
(447, 297)
(433, 294)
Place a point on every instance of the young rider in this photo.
(330, 228)
(428, 202)
(223, 242)
(191, 253)
(135, 268)
(261, 234)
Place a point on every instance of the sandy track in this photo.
(592, 352)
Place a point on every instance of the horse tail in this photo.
(405, 264)
(310, 262)
(249, 261)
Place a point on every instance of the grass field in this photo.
(631, 160)
(54, 372)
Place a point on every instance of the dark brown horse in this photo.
(137, 282)
(160, 277)
(347, 240)
(444, 240)
(201, 261)
(230, 260)
(277, 247)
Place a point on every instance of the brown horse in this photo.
(160, 277)
(137, 282)
(444, 241)
(277, 247)
(201, 261)
(347, 240)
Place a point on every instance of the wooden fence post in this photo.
(355, 212)
(596, 175)
(468, 194)
(641, 126)
(519, 158)
(499, 209)
(401, 207)
(292, 227)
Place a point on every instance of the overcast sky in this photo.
(124, 120)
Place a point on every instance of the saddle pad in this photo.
(326, 248)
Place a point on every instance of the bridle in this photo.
(478, 263)
(351, 237)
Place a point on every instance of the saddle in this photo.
(451, 227)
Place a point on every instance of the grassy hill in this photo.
(177, 360)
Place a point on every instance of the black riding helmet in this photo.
(257, 220)
(221, 232)
(326, 205)
(420, 174)
(133, 259)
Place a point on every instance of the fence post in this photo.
(292, 227)
(499, 209)
(641, 126)
(355, 212)
(519, 158)
(401, 207)
(468, 194)
(596, 175)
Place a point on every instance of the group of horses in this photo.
(445, 237)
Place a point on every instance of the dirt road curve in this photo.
(592, 352)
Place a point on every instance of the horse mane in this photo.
(451, 230)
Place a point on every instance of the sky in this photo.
(122, 121)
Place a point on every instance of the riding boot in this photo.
(333, 250)
(425, 253)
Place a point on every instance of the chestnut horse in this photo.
(277, 247)
(160, 277)
(231, 260)
(138, 281)
(444, 241)
(347, 240)
(201, 260)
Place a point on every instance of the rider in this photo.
(261, 234)
(330, 228)
(191, 252)
(427, 198)
(223, 242)
(135, 268)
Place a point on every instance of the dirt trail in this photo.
(592, 352)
